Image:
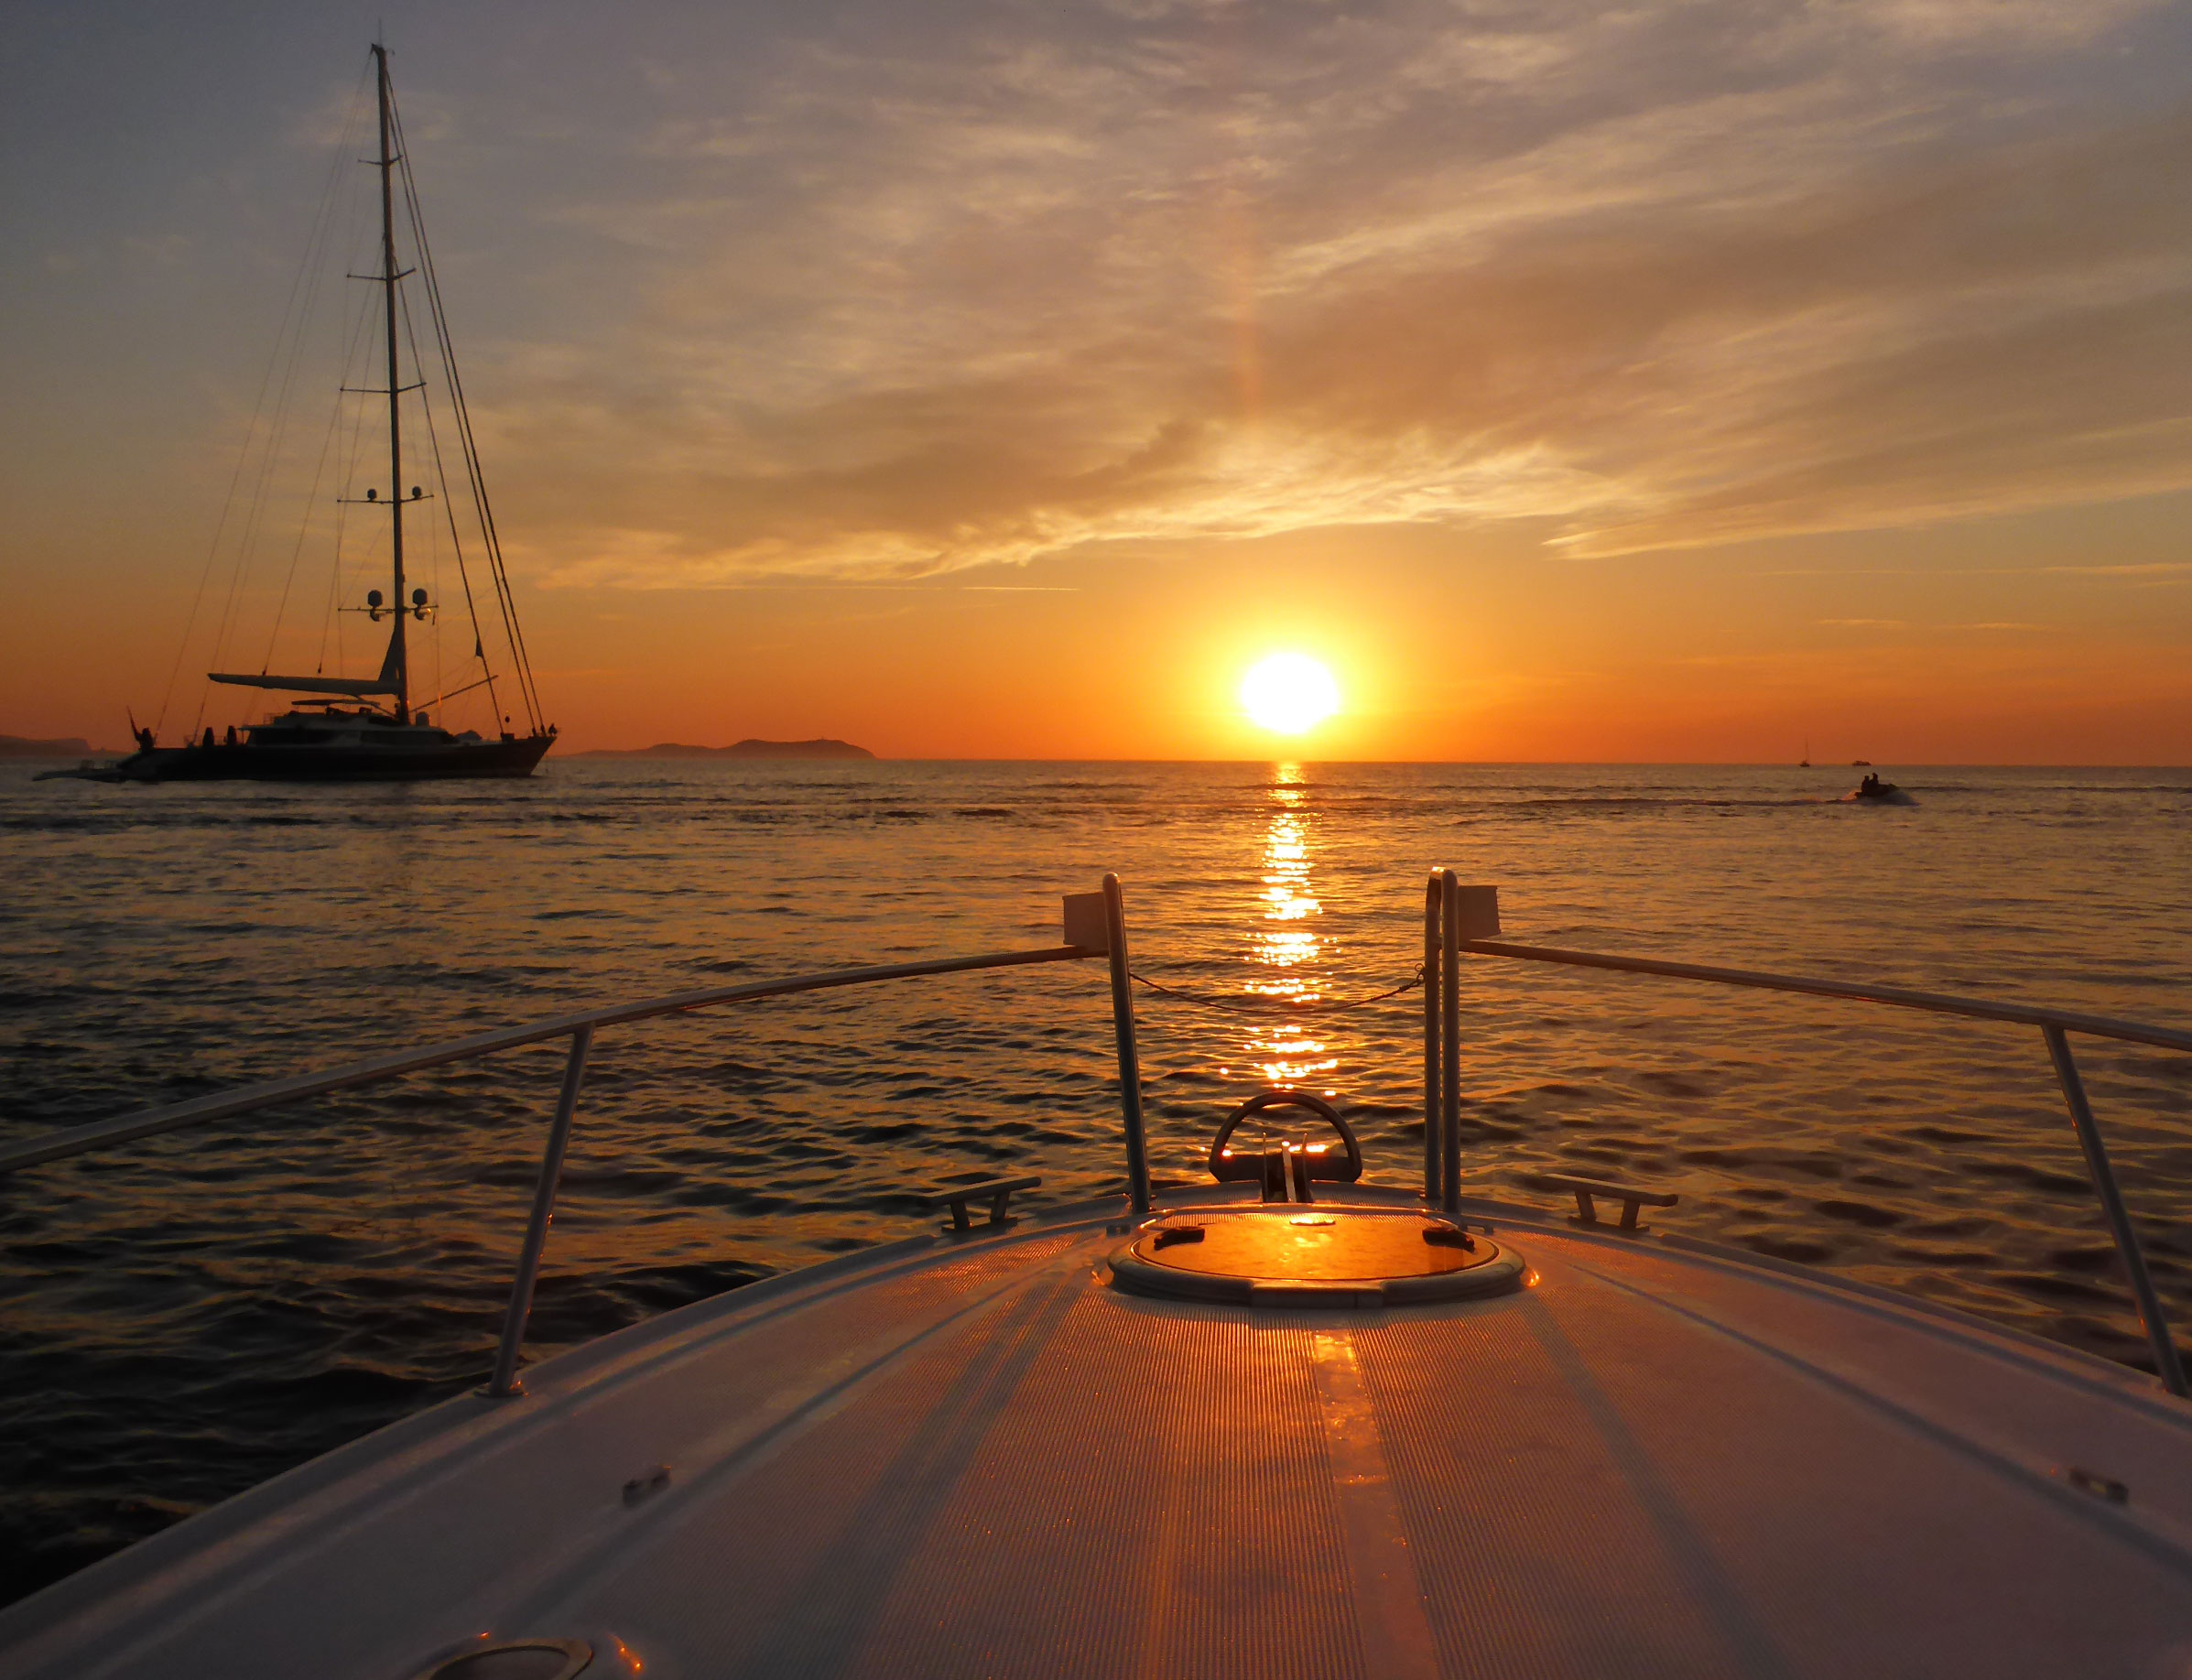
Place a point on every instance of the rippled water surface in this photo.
(185, 1315)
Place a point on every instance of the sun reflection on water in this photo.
(1286, 948)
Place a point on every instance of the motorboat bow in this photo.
(1286, 1421)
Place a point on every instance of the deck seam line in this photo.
(325, 1529)
(1687, 1550)
(2140, 1532)
(815, 1405)
(1391, 1619)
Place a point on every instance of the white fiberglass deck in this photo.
(984, 1459)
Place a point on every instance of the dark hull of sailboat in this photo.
(249, 762)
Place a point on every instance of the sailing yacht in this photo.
(374, 727)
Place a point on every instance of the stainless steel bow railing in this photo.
(1094, 926)
(1458, 920)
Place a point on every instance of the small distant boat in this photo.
(1860, 764)
(374, 727)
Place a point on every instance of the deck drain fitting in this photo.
(2100, 1487)
(515, 1659)
(1282, 1255)
(643, 1488)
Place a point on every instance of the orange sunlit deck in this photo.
(981, 1457)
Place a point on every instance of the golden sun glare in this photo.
(1288, 693)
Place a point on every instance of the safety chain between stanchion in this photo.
(1266, 1005)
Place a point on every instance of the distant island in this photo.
(737, 749)
(69, 746)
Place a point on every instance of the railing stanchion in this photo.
(2170, 1368)
(1433, 958)
(1130, 1060)
(1449, 1002)
(505, 1384)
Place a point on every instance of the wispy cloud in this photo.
(998, 288)
(2158, 570)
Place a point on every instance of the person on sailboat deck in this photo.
(231, 738)
(144, 734)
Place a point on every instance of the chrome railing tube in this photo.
(1434, 964)
(1898, 997)
(2166, 1363)
(1449, 1002)
(505, 1384)
(2055, 1024)
(1130, 1060)
(59, 1145)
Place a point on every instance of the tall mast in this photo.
(397, 650)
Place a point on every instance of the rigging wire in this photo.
(433, 528)
(284, 414)
(304, 526)
(348, 143)
(479, 648)
(520, 657)
(327, 617)
(352, 580)
(352, 450)
(434, 565)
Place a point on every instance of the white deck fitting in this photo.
(980, 1459)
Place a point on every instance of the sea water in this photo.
(188, 1315)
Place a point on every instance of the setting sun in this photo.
(1288, 693)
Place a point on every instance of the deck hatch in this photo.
(517, 1659)
(1285, 1250)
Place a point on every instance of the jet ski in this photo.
(1873, 791)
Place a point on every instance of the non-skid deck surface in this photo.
(991, 1463)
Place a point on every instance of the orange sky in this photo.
(1682, 384)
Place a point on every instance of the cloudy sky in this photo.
(1682, 381)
